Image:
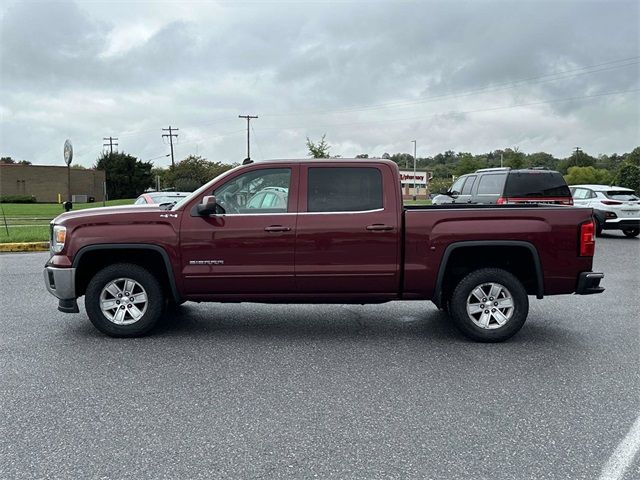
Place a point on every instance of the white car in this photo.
(614, 208)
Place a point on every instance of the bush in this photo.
(437, 185)
(17, 199)
(587, 175)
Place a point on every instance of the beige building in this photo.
(49, 183)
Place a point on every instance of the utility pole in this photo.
(110, 143)
(414, 168)
(501, 158)
(170, 135)
(248, 117)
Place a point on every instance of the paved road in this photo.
(381, 391)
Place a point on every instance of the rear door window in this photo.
(468, 185)
(491, 184)
(580, 194)
(344, 189)
(536, 184)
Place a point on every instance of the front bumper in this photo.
(589, 283)
(61, 283)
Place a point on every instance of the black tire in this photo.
(496, 332)
(598, 228)
(154, 304)
(631, 232)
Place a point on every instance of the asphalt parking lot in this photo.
(282, 391)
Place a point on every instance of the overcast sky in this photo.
(372, 75)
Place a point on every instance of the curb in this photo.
(24, 247)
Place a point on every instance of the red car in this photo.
(342, 235)
(160, 198)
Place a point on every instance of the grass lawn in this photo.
(51, 210)
(29, 222)
(24, 234)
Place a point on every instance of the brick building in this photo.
(45, 182)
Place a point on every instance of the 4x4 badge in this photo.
(167, 215)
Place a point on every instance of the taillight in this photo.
(610, 202)
(568, 201)
(587, 239)
(501, 201)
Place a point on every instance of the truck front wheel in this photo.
(124, 300)
(489, 305)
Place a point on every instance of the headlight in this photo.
(58, 237)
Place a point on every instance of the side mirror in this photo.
(208, 205)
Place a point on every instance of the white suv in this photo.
(614, 208)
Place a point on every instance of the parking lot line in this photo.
(623, 455)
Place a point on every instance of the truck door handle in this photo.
(378, 227)
(277, 228)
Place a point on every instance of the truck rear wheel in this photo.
(124, 300)
(489, 305)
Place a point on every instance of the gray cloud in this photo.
(372, 75)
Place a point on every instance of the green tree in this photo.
(577, 159)
(514, 158)
(362, 155)
(191, 173)
(126, 176)
(443, 171)
(542, 159)
(320, 149)
(586, 175)
(439, 185)
(7, 160)
(404, 160)
(467, 164)
(628, 174)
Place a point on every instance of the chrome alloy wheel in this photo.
(490, 305)
(123, 301)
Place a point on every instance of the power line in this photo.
(562, 75)
(455, 112)
(255, 139)
(111, 142)
(170, 135)
(248, 118)
(156, 158)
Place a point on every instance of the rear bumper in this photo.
(589, 283)
(61, 283)
(621, 223)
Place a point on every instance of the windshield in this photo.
(536, 184)
(622, 195)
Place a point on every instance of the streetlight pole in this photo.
(414, 168)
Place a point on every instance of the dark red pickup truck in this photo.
(318, 231)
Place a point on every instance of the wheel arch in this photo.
(536, 286)
(91, 258)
